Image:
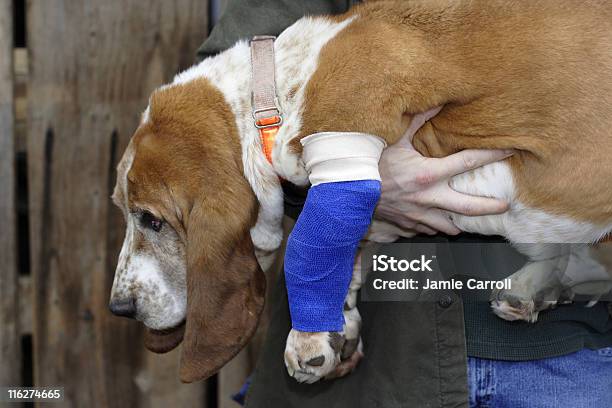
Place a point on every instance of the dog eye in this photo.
(148, 220)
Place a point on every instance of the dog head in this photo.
(187, 269)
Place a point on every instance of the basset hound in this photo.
(203, 205)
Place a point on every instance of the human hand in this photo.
(415, 189)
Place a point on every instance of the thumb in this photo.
(418, 120)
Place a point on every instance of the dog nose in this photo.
(123, 307)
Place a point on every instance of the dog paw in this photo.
(511, 307)
(312, 356)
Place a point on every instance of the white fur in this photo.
(139, 276)
(166, 309)
(520, 224)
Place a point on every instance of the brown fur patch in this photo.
(530, 75)
(187, 169)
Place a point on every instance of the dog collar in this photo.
(267, 115)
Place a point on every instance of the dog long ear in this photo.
(225, 284)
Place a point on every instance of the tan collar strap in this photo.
(266, 112)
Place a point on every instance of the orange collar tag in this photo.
(268, 128)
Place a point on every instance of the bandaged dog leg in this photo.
(343, 169)
(312, 356)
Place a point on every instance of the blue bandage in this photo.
(321, 250)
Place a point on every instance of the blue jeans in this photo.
(579, 380)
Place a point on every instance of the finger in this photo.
(424, 229)
(467, 160)
(425, 116)
(466, 204)
(417, 121)
(437, 220)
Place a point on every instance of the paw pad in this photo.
(316, 362)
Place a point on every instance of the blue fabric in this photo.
(578, 380)
(321, 250)
(240, 396)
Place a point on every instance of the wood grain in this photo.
(92, 66)
(9, 331)
(25, 305)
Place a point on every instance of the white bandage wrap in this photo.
(342, 156)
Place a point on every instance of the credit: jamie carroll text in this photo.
(424, 264)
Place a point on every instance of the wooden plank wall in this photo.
(69, 103)
(9, 331)
(92, 66)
